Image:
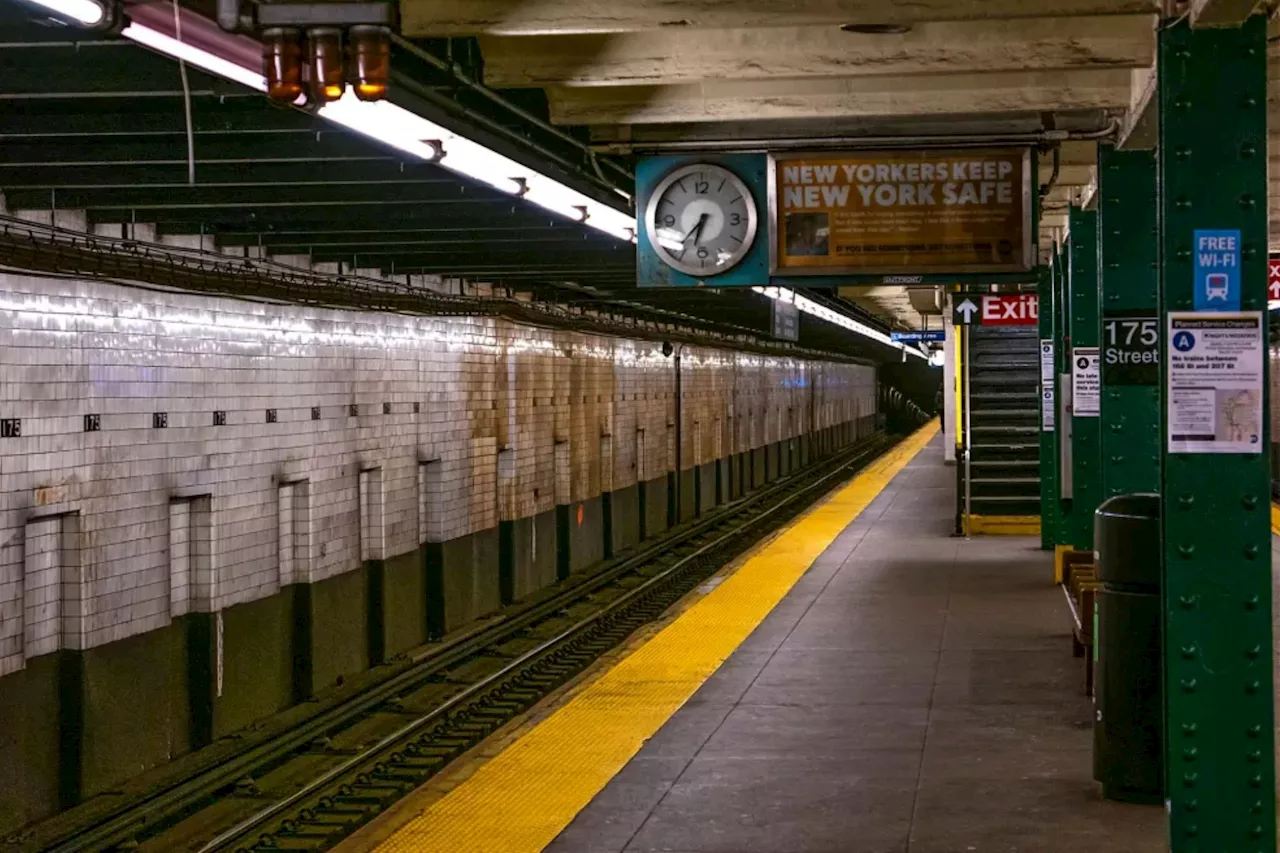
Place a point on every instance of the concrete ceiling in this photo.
(652, 71)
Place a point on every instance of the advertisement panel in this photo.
(889, 212)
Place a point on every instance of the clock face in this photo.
(701, 220)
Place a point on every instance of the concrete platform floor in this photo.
(913, 692)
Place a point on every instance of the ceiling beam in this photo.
(428, 18)
(1221, 13)
(271, 148)
(1140, 128)
(1069, 175)
(253, 198)
(934, 94)
(210, 175)
(673, 57)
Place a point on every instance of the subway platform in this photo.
(904, 691)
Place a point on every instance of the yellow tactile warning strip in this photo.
(520, 800)
(1275, 519)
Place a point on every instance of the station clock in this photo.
(701, 220)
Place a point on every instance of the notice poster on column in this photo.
(1215, 382)
(1047, 412)
(1086, 382)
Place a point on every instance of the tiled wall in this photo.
(166, 452)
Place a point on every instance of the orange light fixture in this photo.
(370, 73)
(282, 64)
(324, 61)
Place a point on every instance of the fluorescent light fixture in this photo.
(83, 11)
(201, 59)
(808, 306)
(405, 131)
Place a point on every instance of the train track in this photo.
(314, 785)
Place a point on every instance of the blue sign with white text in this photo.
(916, 337)
(1217, 270)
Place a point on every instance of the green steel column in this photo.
(1082, 278)
(1127, 285)
(1048, 413)
(1217, 550)
(1062, 346)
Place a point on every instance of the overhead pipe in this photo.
(1047, 186)
(1045, 137)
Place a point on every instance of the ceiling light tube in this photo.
(405, 131)
(808, 306)
(192, 55)
(82, 11)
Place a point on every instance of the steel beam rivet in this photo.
(1114, 427)
(1182, 102)
(1248, 149)
(1247, 202)
(1190, 753)
(1189, 779)
(1251, 603)
(1254, 756)
(1249, 501)
(1183, 254)
(1255, 831)
(1189, 685)
(1248, 102)
(1182, 203)
(1191, 831)
(1249, 252)
(1189, 728)
(1191, 805)
(1182, 152)
(1186, 549)
(1250, 552)
(1254, 731)
(1253, 653)
(1187, 601)
(1190, 651)
(1255, 781)
(1256, 807)
(1186, 501)
(1251, 687)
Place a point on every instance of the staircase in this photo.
(1004, 375)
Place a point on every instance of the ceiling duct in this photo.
(926, 300)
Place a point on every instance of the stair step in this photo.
(1006, 463)
(1020, 430)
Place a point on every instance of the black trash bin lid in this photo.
(1126, 539)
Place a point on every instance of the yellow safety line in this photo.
(519, 801)
(1275, 519)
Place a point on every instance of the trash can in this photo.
(1128, 741)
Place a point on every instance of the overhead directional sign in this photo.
(1273, 278)
(918, 337)
(996, 309)
(965, 309)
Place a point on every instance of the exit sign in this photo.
(1273, 278)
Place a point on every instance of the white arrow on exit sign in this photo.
(967, 309)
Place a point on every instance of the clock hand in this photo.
(697, 229)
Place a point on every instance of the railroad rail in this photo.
(316, 783)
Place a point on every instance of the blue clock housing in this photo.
(753, 269)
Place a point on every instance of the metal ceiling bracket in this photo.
(233, 17)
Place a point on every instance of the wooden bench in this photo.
(1080, 586)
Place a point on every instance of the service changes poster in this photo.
(901, 212)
